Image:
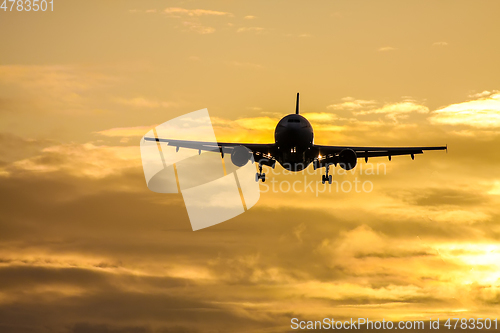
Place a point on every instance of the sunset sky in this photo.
(86, 247)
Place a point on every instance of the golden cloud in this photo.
(395, 109)
(251, 29)
(194, 12)
(80, 160)
(142, 102)
(350, 103)
(320, 116)
(198, 27)
(386, 48)
(124, 132)
(53, 88)
(246, 64)
(192, 18)
(482, 113)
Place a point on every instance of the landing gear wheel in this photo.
(323, 179)
(330, 179)
(260, 175)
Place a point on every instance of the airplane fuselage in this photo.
(294, 138)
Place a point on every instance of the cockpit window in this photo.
(294, 120)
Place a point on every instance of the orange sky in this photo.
(86, 247)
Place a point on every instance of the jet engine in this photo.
(240, 156)
(348, 159)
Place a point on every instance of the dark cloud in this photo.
(435, 197)
(14, 147)
(55, 298)
(90, 328)
(394, 254)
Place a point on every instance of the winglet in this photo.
(297, 105)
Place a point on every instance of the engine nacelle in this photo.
(240, 156)
(348, 159)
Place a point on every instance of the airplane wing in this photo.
(263, 151)
(365, 152)
(259, 150)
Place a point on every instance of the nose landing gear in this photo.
(326, 178)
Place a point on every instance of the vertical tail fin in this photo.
(297, 105)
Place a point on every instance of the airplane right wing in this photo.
(261, 151)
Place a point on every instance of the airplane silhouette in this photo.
(294, 149)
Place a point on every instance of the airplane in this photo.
(294, 149)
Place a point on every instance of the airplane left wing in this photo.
(365, 152)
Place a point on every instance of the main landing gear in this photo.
(260, 175)
(326, 178)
